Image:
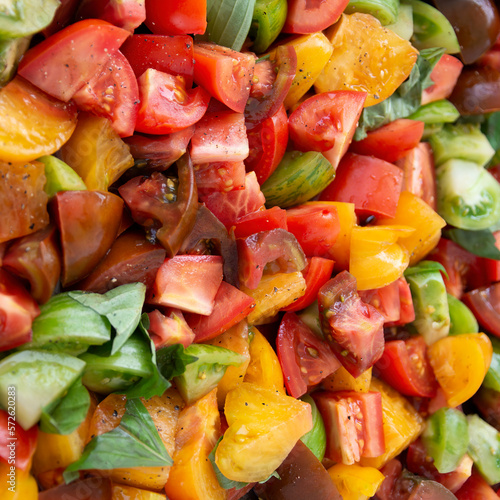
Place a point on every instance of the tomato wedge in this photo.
(306, 16)
(484, 302)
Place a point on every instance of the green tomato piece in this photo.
(463, 141)
(315, 439)
(462, 320)
(386, 11)
(446, 438)
(204, 374)
(436, 112)
(105, 372)
(404, 23)
(11, 52)
(431, 28)
(484, 448)
(298, 178)
(492, 377)
(310, 316)
(32, 380)
(268, 18)
(60, 176)
(468, 196)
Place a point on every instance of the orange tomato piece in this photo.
(20, 486)
(122, 492)
(356, 482)
(366, 57)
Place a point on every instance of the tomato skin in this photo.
(262, 220)
(25, 442)
(373, 185)
(92, 488)
(221, 176)
(126, 14)
(181, 17)
(484, 302)
(305, 358)
(405, 366)
(310, 17)
(444, 75)
(476, 487)
(225, 73)
(62, 63)
(385, 299)
(170, 329)
(267, 145)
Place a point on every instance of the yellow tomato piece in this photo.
(164, 411)
(460, 363)
(377, 259)
(264, 368)
(356, 482)
(342, 380)
(235, 339)
(341, 249)
(16, 484)
(402, 424)
(33, 124)
(122, 492)
(313, 52)
(264, 426)
(96, 152)
(414, 212)
(366, 57)
(274, 292)
(192, 476)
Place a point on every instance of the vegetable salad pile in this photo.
(249, 249)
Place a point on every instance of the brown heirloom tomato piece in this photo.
(88, 222)
(92, 488)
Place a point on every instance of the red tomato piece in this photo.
(484, 302)
(263, 220)
(305, 358)
(391, 470)
(405, 366)
(406, 309)
(63, 16)
(316, 227)
(188, 282)
(169, 54)
(61, 64)
(316, 274)
(353, 423)
(229, 207)
(220, 136)
(225, 73)
(306, 16)
(18, 309)
(126, 14)
(258, 250)
(88, 223)
(166, 106)
(373, 185)
(267, 143)
(385, 299)
(419, 174)
(492, 266)
(326, 122)
(353, 329)
(476, 487)
(11, 434)
(113, 93)
(170, 329)
(222, 177)
(231, 306)
(392, 141)
(177, 18)
(444, 75)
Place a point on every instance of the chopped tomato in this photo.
(231, 306)
(309, 17)
(392, 141)
(405, 366)
(126, 14)
(406, 309)
(353, 422)
(444, 75)
(92, 488)
(221, 176)
(316, 274)
(385, 299)
(188, 282)
(353, 329)
(178, 18)
(373, 185)
(170, 329)
(112, 93)
(18, 309)
(476, 487)
(305, 358)
(225, 73)
(64, 62)
(317, 238)
(492, 266)
(262, 220)
(484, 302)
(24, 441)
(219, 136)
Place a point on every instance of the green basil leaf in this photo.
(407, 98)
(425, 266)
(480, 242)
(68, 413)
(172, 360)
(228, 22)
(156, 384)
(134, 443)
(122, 306)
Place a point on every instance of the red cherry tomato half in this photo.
(306, 16)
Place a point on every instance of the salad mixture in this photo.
(249, 249)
